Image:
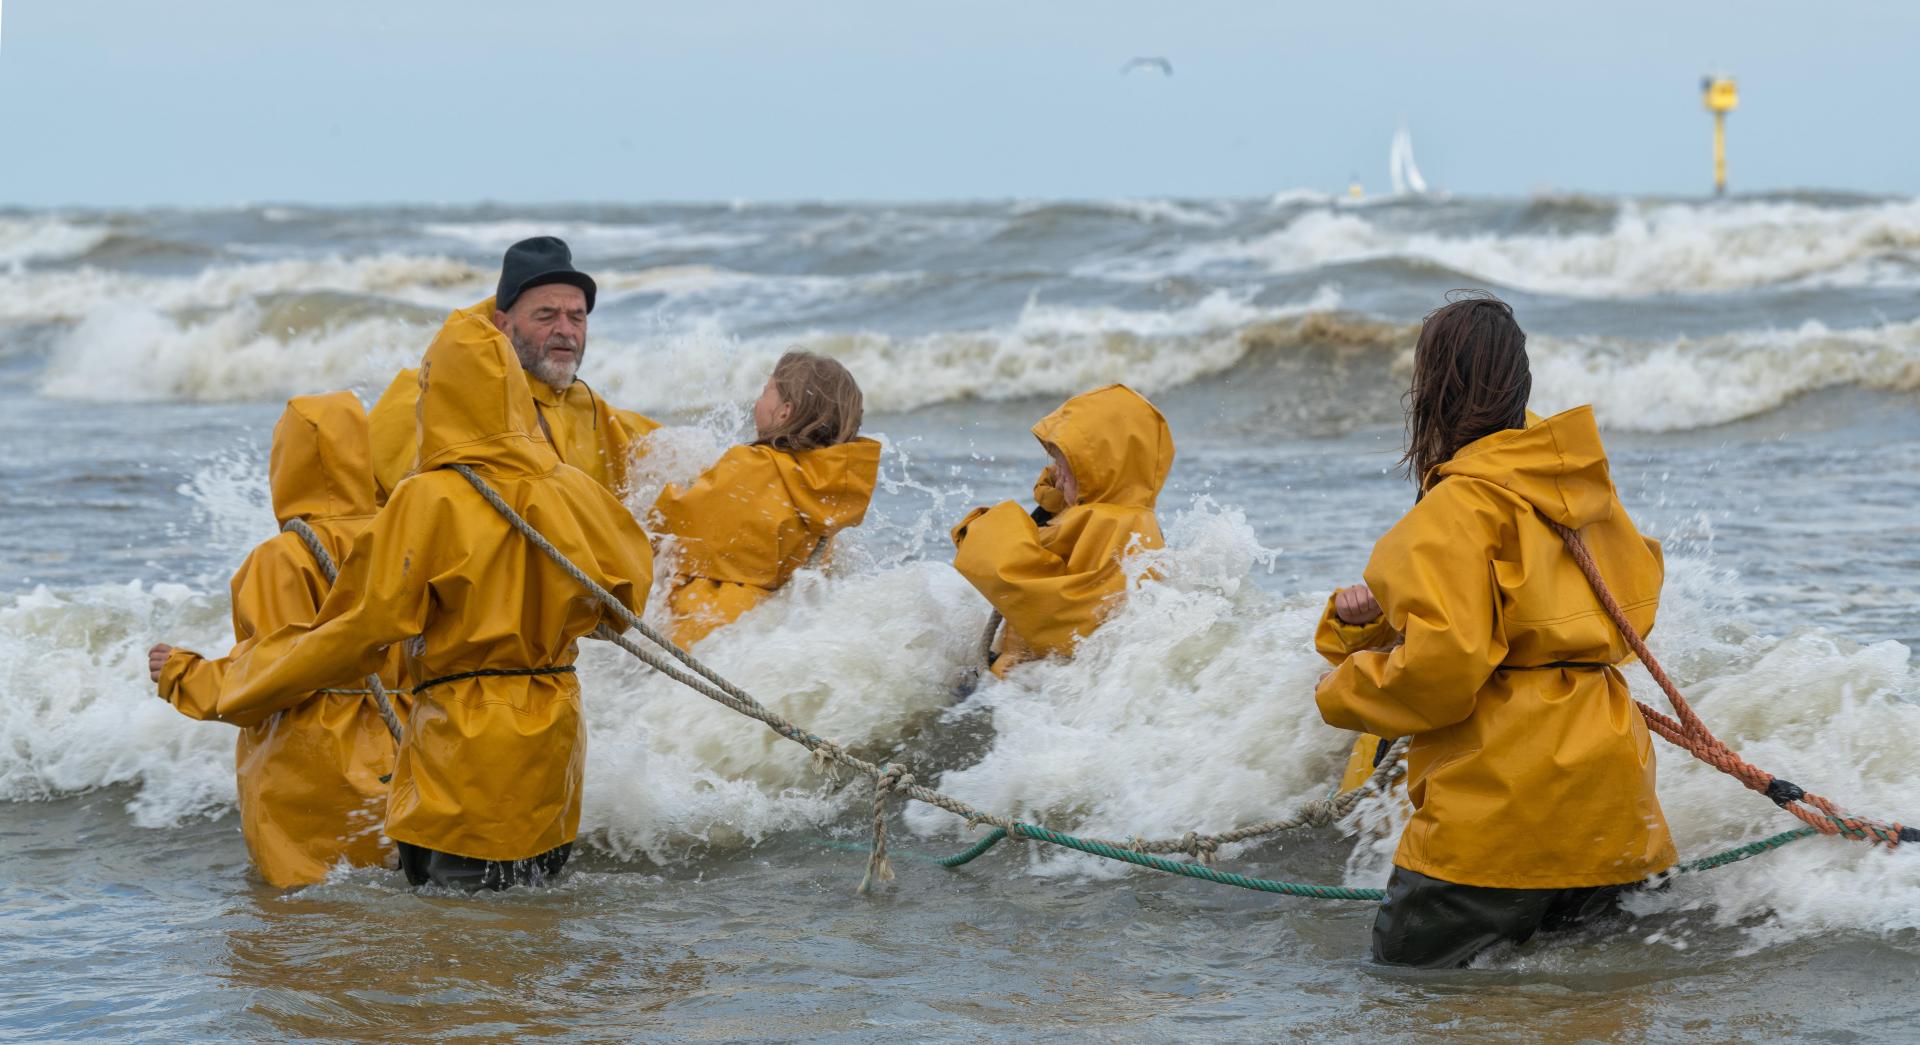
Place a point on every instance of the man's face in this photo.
(548, 328)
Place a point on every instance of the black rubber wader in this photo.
(424, 866)
(1432, 924)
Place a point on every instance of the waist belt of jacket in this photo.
(1572, 665)
(563, 669)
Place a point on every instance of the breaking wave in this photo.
(1645, 250)
(1306, 363)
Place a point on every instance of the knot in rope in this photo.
(1319, 813)
(1200, 847)
(826, 760)
(893, 777)
(888, 779)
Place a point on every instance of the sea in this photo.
(1754, 363)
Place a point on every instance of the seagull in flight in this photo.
(1161, 64)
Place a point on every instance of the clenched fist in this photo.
(156, 658)
(1356, 605)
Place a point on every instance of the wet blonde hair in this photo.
(826, 401)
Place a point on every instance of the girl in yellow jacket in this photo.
(1053, 573)
(311, 776)
(772, 506)
(486, 789)
(1531, 772)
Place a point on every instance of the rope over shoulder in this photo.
(299, 528)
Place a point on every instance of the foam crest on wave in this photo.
(590, 238)
(47, 239)
(1047, 350)
(1692, 383)
(422, 280)
(1648, 250)
(258, 349)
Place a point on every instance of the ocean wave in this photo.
(85, 292)
(1693, 383)
(1146, 211)
(47, 239)
(251, 352)
(1305, 366)
(1645, 250)
(593, 238)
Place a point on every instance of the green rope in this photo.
(1316, 892)
(1745, 852)
(979, 848)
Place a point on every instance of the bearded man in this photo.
(541, 304)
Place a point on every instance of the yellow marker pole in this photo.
(1721, 98)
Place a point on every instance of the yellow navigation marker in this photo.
(1721, 98)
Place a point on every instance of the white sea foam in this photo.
(1695, 383)
(422, 280)
(1650, 249)
(1047, 350)
(238, 353)
(46, 239)
(134, 354)
(590, 238)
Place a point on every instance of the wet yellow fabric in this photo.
(586, 432)
(1053, 583)
(1337, 640)
(308, 775)
(752, 519)
(1536, 779)
(492, 765)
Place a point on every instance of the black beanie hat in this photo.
(536, 262)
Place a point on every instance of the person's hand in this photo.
(1356, 605)
(156, 658)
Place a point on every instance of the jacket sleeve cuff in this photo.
(177, 685)
(1337, 640)
(960, 531)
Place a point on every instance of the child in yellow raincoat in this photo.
(1531, 772)
(1053, 573)
(311, 776)
(486, 790)
(772, 506)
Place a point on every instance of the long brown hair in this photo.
(826, 401)
(1470, 380)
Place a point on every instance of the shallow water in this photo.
(1755, 364)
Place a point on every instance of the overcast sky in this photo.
(232, 101)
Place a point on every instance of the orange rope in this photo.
(1687, 731)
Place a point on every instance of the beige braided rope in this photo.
(889, 779)
(299, 528)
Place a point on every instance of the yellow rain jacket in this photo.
(587, 433)
(309, 775)
(1522, 776)
(491, 767)
(752, 519)
(1053, 583)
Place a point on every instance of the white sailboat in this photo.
(1401, 168)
